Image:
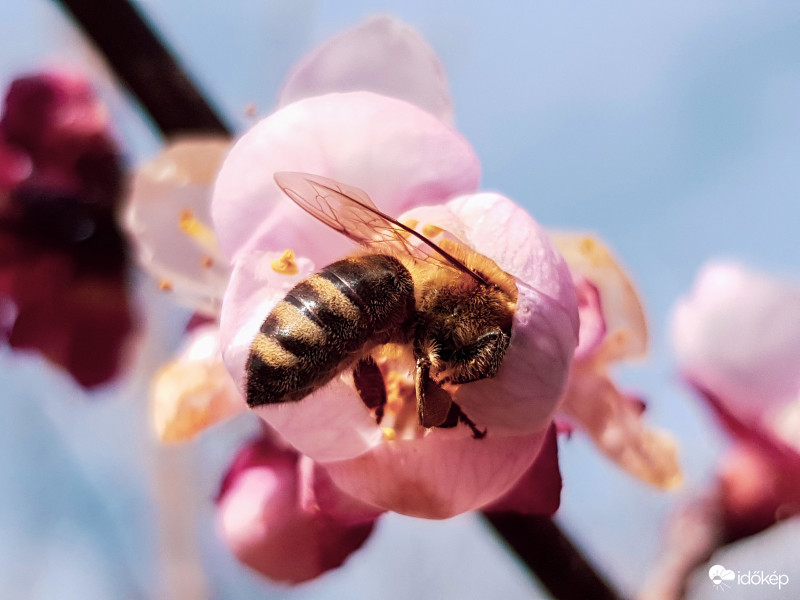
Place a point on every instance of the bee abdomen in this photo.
(322, 323)
(378, 284)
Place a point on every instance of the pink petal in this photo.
(400, 154)
(738, 335)
(381, 55)
(625, 320)
(593, 328)
(270, 526)
(168, 218)
(15, 167)
(443, 474)
(757, 434)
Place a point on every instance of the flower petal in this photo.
(626, 324)
(785, 456)
(593, 330)
(614, 422)
(444, 474)
(194, 391)
(738, 335)
(168, 218)
(400, 154)
(381, 55)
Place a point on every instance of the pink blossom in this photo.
(409, 158)
(63, 260)
(738, 336)
(282, 517)
(737, 342)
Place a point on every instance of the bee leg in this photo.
(370, 386)
(480, 360)
(433, 402)
(456, 416)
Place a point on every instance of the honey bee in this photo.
(451, 309)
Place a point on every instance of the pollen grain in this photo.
(285, 265)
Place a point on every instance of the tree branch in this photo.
(145, 66)
(551, 557)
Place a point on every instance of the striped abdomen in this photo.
(325, 322)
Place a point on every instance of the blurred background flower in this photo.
(737, 342)
(63, 259)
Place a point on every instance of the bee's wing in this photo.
(350, 211)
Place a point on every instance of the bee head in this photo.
(462, 327)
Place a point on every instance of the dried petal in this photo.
(194, 391)
(626, 324)
(615, 424)
(613, 327)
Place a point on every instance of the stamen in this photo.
(389, 434)
(431, 230)
(207, 262)
(165, 285)
(285, 265)
(198, 231)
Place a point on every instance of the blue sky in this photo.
(672, 130)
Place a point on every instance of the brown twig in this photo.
(551, 557)
(145, 66)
